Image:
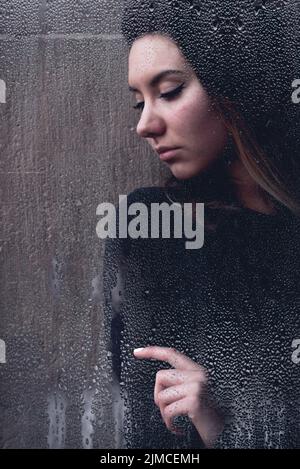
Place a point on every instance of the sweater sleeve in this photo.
(114, 271)
(115, 263)
(124, 294)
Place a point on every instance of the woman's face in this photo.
(185, 119)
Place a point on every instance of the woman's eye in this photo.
(169, 95)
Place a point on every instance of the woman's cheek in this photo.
(179, 115)
(186, 116)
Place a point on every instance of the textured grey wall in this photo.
(67, 143)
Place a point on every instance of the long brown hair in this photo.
(214, 186)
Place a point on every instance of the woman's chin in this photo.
(183, 173)
(183, 170)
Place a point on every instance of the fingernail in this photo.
(138, 349)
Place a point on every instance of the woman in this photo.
(217, 325)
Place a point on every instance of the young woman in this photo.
(218, 326)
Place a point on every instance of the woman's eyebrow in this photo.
(157, 78)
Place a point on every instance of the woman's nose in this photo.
(150, 124)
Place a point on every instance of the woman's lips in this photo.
(168, 154)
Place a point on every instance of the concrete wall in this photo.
(67, 143)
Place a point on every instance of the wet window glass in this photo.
(149, 165)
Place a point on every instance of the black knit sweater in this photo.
(232, 306)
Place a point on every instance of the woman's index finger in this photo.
(172, 356)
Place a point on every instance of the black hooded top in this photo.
(247, 51)
(232, 306)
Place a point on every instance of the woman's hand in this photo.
(183, 391)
